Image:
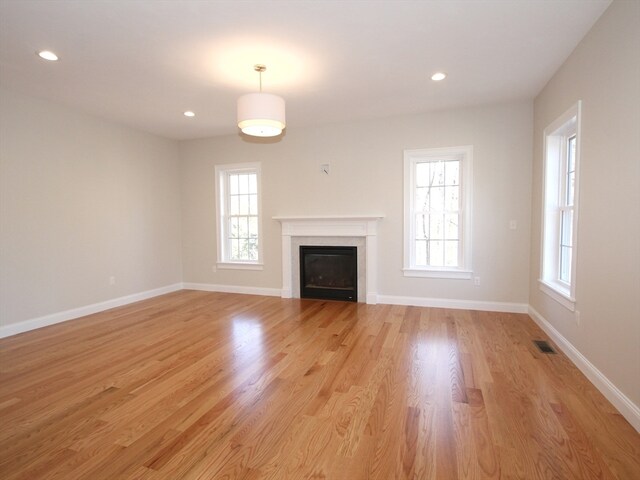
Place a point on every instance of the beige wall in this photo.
(604, 72)
(367, 178)
(81, 200)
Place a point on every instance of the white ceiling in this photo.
(143, 62)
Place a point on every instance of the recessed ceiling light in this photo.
(436, 77)
(189, 113)
(47, 55)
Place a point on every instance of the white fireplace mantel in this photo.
(365, 226)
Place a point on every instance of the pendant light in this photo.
(261, 114)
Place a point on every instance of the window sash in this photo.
(570, 171)
(242, 237)
(565, 245)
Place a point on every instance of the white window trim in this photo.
(411, 157)
(220, 173)
(560, 296)
(459, 274)
(240, 265)
(548, 283)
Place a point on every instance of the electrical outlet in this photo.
(325, 168)
(577, 312)
(513, 225)
(214, 269)
(112, 280)
(476, 281)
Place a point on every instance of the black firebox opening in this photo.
(329, 272)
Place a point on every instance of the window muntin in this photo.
(239, 214)
(242, 216)
(437, 216)
(561, 165)
(437, 213)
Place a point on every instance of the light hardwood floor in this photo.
(199, 385)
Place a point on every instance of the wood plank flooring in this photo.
(199, 385)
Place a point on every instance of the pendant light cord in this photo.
(260, 68)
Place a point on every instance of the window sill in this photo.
(432, 273)
(559, 294)
(240, 266)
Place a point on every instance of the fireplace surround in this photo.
(358, 231)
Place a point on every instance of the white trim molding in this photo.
(558, 295)
(437, 273)
(625, 406)
(223, 210)
(59, 317)
(556, 203)
(209, 287)
(239, 266)
(332, 226)
(463, 155)
(454, 304)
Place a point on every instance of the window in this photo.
(437, 212)
(238, 212)
(560, 212)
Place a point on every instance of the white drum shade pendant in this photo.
(261, 114)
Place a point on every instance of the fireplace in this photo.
(328, 272)
(360, 231)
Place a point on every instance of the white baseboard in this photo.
(208, 287)
(25, 326)
(456, 304)
(625, 406)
